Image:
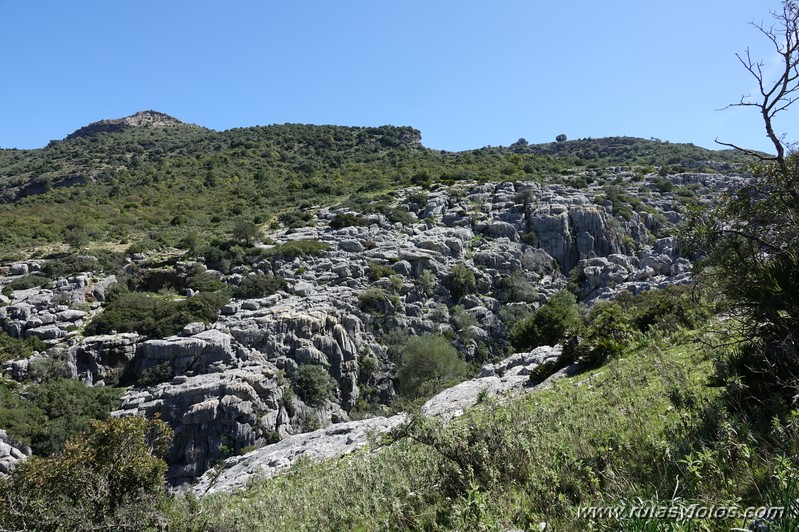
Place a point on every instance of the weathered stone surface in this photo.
(10, 454)
(230, 376)
(334, 441)
(100, 358)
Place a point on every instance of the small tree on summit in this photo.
(561, 138)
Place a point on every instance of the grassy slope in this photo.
(645, 425)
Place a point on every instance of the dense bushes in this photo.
(611, 326)
(110, 478)
(549, 325)
(461, 282)
(314, 384)
(155, 316)
(255, 286)
(51, 412)
(516, 288)
(346, 219)
(377, 300)
(27, 282)
(101, 260)
(222, 254)
(298, 248)
(427, 365)
(16, 348)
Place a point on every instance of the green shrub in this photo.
(246, 231)
(549, 324)
(137, 248)
(377, 300)
(296, 219)
(461, 318)
(156, 374)
(418, 198)
(606, 335)
(612, 325)
(427, 365)
(515, 288)
(116, 291)
(298, 248)
(16, 348)
(110, 478)
(426, 283)
(70, 265)
(530, 238)
(400, 215)
(27, 282)
(156, 317)
(461, 282)
(255, 286)
(346, 219)
(314, 384)
(378, 271)
(222, 254)
(198, 278)
(664, 185)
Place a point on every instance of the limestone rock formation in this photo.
(231, 384)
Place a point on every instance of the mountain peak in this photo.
(141, 119)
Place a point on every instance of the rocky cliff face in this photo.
(227, 386)
(140, 119)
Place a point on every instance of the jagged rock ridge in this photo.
(140, 119)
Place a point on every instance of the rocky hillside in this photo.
(464, 261)
(153, 180)
(152, 119)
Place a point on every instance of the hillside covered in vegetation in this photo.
(153, 179)
(498, 338)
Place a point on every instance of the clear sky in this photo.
(466, 73)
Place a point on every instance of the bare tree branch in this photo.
(746, 151)
(775, 96)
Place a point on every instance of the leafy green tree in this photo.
(62, 408)
(246, 231)
(549, 325)
(314, 384)
(427, 365)
(110, 478)
(76, 237)
(461, 282)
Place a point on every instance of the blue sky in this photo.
(466, 73)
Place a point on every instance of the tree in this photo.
(246, 231)
(549, 324)
(110, 478)
(750, 243)
(560, 138)
(76, 237)
(314, 384)
(461, 282)
(427, 364)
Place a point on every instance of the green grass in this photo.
(644, 426)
